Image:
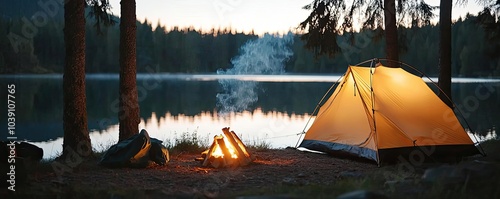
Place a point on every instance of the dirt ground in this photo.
(185, 177)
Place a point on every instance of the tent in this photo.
(385, 114)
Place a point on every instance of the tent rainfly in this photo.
(385, 114)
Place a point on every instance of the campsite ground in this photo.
(276, 172)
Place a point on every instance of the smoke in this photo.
(265, 55)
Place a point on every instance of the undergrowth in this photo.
(187, 142)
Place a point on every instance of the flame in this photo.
(218, 151)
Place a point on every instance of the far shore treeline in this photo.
(192, 51)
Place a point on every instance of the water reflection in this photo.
(275, 128)
(173, 104)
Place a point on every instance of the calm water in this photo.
(175, 104)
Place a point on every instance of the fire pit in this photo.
(227, 150)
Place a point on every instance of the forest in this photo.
(187, 50)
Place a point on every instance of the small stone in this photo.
(289, 181)
(59, 182)
(406, 186)
(268, 197)
(390, 183)
(362, 194)
(351, 174)
(442, 173)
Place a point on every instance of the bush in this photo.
(187, 142)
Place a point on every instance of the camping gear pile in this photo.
(137, 151)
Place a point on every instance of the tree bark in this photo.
(76, 135)
(391, 32)
(444, 81)
(128, 106)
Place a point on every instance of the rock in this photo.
(301, 175)
(29, 151)
(351, 174)
(406, 186)
(59, 182)
(479, 170)
(442, 173)
(294, 181)
(268, 197)
(289, 181)
(391, 183)
(457, 174)
(362, 194)
(24, 156)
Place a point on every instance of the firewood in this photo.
(204, 153)
(243, 155)
(243, 147)
(199, 159)
(228, 159)
(217, 162)
(223, 142)
(240, 143)
(209, 153)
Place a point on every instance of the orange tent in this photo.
(385, 114)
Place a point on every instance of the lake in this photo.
(175, 104)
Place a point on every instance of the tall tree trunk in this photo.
(76, 135)
(445, 52)
(391, 32)
(129, 106)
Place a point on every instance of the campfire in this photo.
(227, 150)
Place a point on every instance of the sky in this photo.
(273, 16)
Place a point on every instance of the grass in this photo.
(187, 142)
(258, 145)
(193, 143)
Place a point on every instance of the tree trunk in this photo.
(76, 135)
(129, 106)
(445, 52)
(391, 32)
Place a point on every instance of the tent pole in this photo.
(373, 110)
(316, 109)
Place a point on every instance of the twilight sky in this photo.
(242, 15)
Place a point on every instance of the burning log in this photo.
(226, 150)
(240, 147)
(210, 151)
